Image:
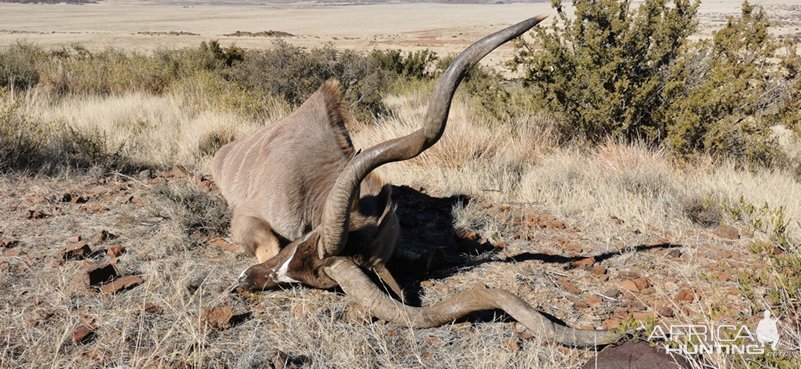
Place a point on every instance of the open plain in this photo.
(130, 265)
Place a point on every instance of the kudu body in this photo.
(311, 209)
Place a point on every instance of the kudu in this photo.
(310, 208)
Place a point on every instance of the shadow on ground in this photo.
(430, 246)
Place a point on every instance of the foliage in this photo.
(17, 66)
(635, 75)
(412, 65)
(291, 73)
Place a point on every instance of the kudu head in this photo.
(320, 260)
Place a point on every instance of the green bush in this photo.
(633, 74)
(292, 73)
(415, 65)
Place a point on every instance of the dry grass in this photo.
(166, 234)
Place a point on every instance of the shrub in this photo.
(18, 66)
(413, 65)
(293, 74)
(633, 74)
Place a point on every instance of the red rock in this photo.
(76, 251)
(685, 295)
(94, 274)
(121, 284)
(568, 286)
(512, 345)
(582, 262)
(94, 208)
(594, 300)
(115, 251)
(8, 242)
(151, 308)
(83, 334)
(629, 285)
(16, 251)
(73, 198)
(612, 292)
(641, 283)
(727, 232)
(225, 245)
(666, 312)
(218, 317)
(101, 237)
(581, 304)
(36, 214)
(612, 323)
(598, 270)
(501, 245)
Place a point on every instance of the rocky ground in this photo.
(103, 269)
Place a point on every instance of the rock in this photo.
(94, 274)
(635, 355)
(36, 214)
(512, 345)
(568, 286)
(83, 334)
(73, 198)
(598, 270)
(612, 292)
(666, 312)
(122, 284)
(101, 237)
(280, 360)
(218, 317)
(225, 245)
(629, 285)
(152, 308)
(76, 251)
(583, 262)
(685, 295)
(115, 251)
(674, 254)
(581, 304)
(146, 174)
(642, 283)
(74, 239)
(594, 300)
(16, 251)
(8, 242)
(727, 232)
(94, 208)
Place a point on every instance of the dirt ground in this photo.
(166, 227)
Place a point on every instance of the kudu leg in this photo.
(255, 236)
